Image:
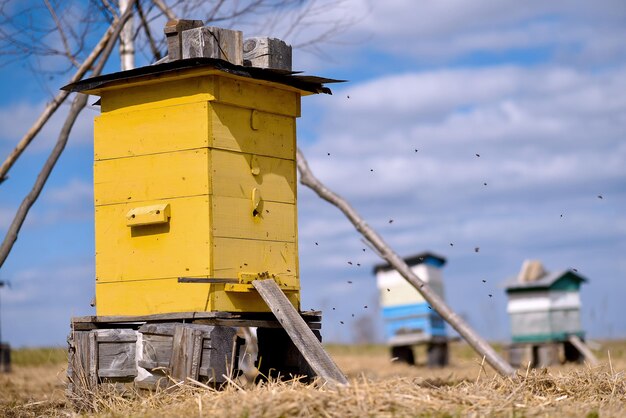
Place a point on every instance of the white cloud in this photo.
(74, 191)
(442, 32)
(45, 297)
(16, 119)
(550, 141)
(535, 127)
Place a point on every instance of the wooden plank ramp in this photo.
(584, 350)
(301, 335)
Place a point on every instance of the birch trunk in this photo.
(127, 44)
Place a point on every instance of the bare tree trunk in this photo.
(77, 105)
(57, 101)
(481, 346)
(127, 44)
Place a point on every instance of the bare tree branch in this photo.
(146, 28)
(77, 105)
(166, 10)
(58, 100)
(57, 22)
(481, 346)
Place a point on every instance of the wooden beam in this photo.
(301, 335)
(186, 352)
(174, 316)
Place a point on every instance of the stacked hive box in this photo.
(195, 192)
(408, 318)
(544, 307)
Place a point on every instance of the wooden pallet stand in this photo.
(160, 350)
(545, 354)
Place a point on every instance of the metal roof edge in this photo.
(313, 84)
(411, 260)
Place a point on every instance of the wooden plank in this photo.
(142, 178)
(252, 323)
(584, 350)
(92, 376)
(150, 131)
(153, 251)
(173, 316)
(233, 218)
(235, 174)
(232, 256)
(303, 338)
(217, 353)
(116, 335)
(151, 95)
(81, 359)
(274, 136)
(250, 94)
(186, 353)
(116, 352)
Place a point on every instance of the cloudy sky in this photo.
(492, 124)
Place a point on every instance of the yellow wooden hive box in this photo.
(195, 190)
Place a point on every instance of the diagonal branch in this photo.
(480, 345)
(59, 98)
(166, 10)
(66, 45)
(79, 103)
(146, 28)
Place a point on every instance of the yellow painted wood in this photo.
(244, 93)
(163, 176)
(159, 94)
(148, 215)
(231, 130)
(178, 248)
(220, 151)
(188, 126)
(145, 297)
(246, 301)
(243, 287)
(150, 131)
(232, 256)
(233, 176)
(233, 217)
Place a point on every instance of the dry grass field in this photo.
(379, 388)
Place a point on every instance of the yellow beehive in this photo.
(195, 191)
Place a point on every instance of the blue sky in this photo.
(535, 88)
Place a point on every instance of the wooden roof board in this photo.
(311, 84)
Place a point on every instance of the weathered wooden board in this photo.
(156, 351)
(116, 353)
(300, 334)
(173, 316)
(83, 355)
(186, 352)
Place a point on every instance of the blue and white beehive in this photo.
(408, 317)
